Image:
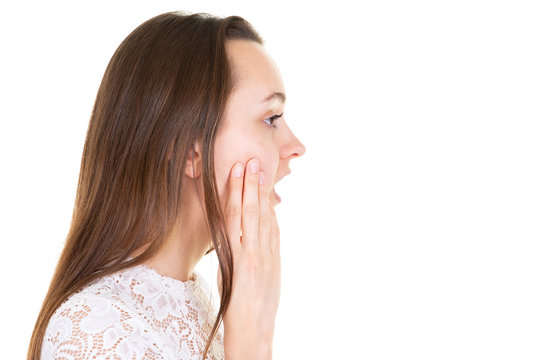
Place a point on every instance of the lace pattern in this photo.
(135, 313)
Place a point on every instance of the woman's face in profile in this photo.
(246, 131)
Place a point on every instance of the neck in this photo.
(188, 242)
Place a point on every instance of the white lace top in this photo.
(135, 313)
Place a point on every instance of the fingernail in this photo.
(261, 178)
(254, 166)
(238, 170)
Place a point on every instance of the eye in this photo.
(272, 119)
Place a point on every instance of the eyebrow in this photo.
(276, 95)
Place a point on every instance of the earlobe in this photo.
(193, 162)
(171, 148)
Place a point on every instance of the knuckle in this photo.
(251, 210)
(252, 264)
(265, 221)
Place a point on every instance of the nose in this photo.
(291, 146)
(295, 148)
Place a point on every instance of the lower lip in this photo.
(276, 196)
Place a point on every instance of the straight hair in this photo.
(165, 87)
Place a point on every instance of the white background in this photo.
(409, 229)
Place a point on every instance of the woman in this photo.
(184, 98)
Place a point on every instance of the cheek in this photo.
(269, 164)
(233, 147)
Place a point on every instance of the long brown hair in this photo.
(165, 87)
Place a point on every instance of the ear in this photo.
(169, 152)
(194, 161)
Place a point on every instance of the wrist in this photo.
(247, 346)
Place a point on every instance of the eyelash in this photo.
(273, 119)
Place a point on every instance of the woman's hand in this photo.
(254, 240)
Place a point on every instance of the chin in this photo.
(274, 198)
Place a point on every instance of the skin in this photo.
(244, 135)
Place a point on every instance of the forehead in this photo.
(255, 72)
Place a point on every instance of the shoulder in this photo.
(99, 321)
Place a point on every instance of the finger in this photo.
(274, 240)
(250, 205)
(233, 208)
(265, 216)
